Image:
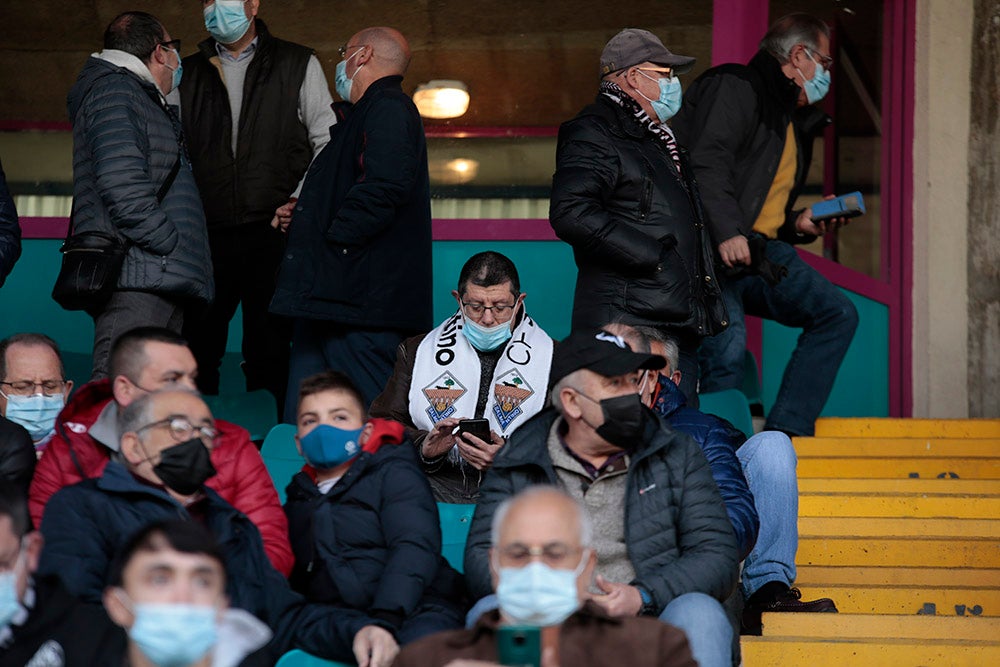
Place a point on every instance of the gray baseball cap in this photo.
(633, 46)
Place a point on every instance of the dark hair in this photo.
(188, 537)
(28, 339)
(137, 33)
(489, 268)
(14, 504)
(792, 29)
(331, 381)
(128, 352)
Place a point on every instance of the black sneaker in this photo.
(775, 596)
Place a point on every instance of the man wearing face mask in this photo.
(663, 542)
(356, 276)
(542, 563)
(33, 388)
(250, 147)
(487, 361)
(132, 180)
(165, 460)
(624, 197)
(750, 130)
(40, 622)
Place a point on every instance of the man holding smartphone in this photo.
(463, 388)
(542, 564)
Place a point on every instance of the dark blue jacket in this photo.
(359, 247)
(373, 543)
(719, 441)
(86, 524)
(10, 230)
(676, 532)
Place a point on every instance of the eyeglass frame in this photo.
(826, 61)
(669, 71)
(56, 391)
(342, 50)
(209, 432)
(543, 552)
(173, 44)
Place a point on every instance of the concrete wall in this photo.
(984, 213)
(940, 208)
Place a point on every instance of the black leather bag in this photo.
(92, 262)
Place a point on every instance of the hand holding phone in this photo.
(519, 645)
(477, 427)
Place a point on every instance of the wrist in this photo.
(648, 607)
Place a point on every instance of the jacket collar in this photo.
(384, 432)
(128, 62)
(116, 478)
(208, 46)
(670, 398)
(777, 86)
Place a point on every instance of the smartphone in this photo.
(845, 206)
(477, 427)
(519, 645)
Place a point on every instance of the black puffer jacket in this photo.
(17, 455)
(373, 543)
(10, 230)
(635, 225)
(734, 121)
(678, 536)
(125, 143)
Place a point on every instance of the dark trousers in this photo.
(125, 311)
(245, 262)
(803, 299)
(364, 355)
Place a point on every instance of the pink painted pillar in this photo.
(737, 26)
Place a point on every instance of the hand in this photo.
(283, 215)
(804, 223)
(374, 647)
(477, 451)
(619, 600)
(735, 251)
(439, 440)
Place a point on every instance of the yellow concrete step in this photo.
(879, 626)
(924, 468)
(863, 427)
(898, 447)
(805, 652)
(858, 505)
(867, 599)
(901, 552)
(955, 487)
(818, 576)
(896, 527)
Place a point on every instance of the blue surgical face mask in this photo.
(173, 635)
(9, 602)
(226, 20)
(37, 413)
(340, 80)
(817, 87)
(538, 594)
(328, 446)
(178, 72)
(669, 102)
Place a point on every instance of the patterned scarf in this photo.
(661, 131)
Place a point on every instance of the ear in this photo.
(366, 433)
(67, 390)
(117, 611)
(123, 390)
(253, 7)
(494, 575)
(130, 448)
(675, 377)
(570, 403)
(298, 445)
(33, 549)
(458, 298)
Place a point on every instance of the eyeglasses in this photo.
(668, 71)
(554, 554)
(499, 310)
(342, 50)
(182, 430)
(825, 61)
(27, 387)
(174, 44)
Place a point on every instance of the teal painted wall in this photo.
(548, 275)
(862, 385)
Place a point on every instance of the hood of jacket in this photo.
(103, 64)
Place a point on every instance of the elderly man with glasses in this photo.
(488, 361)
(33, 388)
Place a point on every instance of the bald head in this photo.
(544, 510)
(390, 49)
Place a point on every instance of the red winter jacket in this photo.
(242, 480)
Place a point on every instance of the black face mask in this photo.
(624, 420)
(185, 467)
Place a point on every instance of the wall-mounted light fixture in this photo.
(456, 171)
(442, 99)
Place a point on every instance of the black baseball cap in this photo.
(599, 351)
(633, 46)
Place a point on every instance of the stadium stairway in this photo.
(899, 523)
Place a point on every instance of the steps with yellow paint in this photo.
(899, 523)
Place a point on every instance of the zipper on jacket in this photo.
(163, 263)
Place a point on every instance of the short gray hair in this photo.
(139, 412)
(792, 29)
(670, 349)
(586, 526)
(636, 341)
(570, 381)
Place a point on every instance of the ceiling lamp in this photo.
(442, 99)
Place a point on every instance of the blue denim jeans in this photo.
(804, 299)
(700, 616)
(769, 461)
